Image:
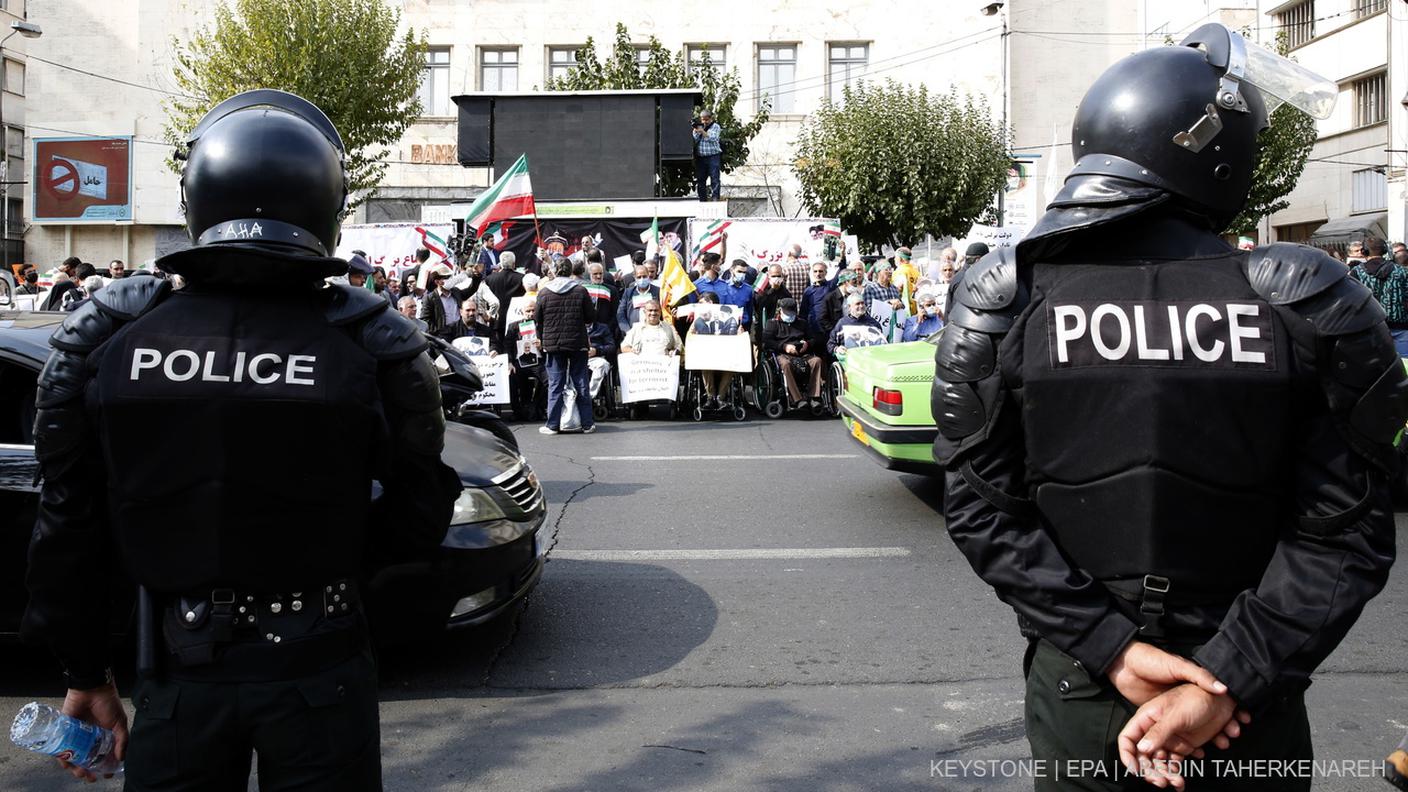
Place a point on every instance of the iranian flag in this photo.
(710, 237)
(651, 238)
(831, 228)
(437, 246)
(599, 291)
(511, 196)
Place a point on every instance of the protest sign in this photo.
(861, 336)
(391, 246)
(891, 319)
(471, 346)
(648, 377)
(515, 309)
(493, 371)
(718, 353)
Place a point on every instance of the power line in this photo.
(58, 65)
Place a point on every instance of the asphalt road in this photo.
(770, 610)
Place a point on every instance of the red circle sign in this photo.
(62, 180)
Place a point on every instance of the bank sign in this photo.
(82, 180)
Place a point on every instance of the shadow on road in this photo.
(588, 624)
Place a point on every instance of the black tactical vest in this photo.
(239, 432)
(1159, 401)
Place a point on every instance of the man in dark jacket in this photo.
(505, 283)
(605, 296)
(1389, 283)
(786, 337)
(773, 293)
(564, 312)
(469, 326)
(642, 291)
(527, 373)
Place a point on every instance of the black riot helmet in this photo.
(265, 170)
(1182, 119)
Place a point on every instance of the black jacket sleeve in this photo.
(1006, 544)
(1335, 554)
(71, 557)
(418, 489)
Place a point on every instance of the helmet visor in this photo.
(1289, 82)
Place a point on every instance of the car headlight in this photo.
(475, 505)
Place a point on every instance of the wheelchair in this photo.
(606, 404)
(732, 403)
(770, 396)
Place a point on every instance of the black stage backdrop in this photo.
(616, 238)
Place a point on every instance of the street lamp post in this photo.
(995, 9)
(28, 30)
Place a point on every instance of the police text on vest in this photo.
(183, 365)
(1163, 334)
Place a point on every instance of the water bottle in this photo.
(43, 729)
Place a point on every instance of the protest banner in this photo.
(472, 346)
(391, 246)
(648, 377)
(718, 353)
(493, 371)
(861, 336)
(763, 241)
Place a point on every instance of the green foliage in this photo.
(342, 55)
(621, 71)
(895, 162)
(1282, 151)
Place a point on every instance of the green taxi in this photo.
(885, 403)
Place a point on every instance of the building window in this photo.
(498, 69)
(777, 72)
(715, 53)
(1369, 189)
(1371, 99)
(1363, 8)
(1297, 232)
(1299, 23)
(847, 65)
(14, 77)
(435, 83)
(14, 142)
(642, 60)
(561, 60)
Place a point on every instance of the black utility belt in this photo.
(237, 610)
(208, 629)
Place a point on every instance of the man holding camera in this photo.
(708, 155)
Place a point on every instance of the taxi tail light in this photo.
(889, 402)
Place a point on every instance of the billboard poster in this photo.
(82, 180)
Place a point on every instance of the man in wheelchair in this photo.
(785, 338)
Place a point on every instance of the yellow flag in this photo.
(675, 284)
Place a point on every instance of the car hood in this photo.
(477, 455)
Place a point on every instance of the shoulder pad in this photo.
(129, 298)
(346, 304)
(964, 355)
(990, 284)
(85, 328)
(62, 378)
(412, 384)
(1283, 273)
(1346, 307)
(390, 336)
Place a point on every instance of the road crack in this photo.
(677, 748)
(518, 617)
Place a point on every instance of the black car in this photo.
(490, 558)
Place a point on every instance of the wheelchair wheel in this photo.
(739, 413)
(599, 411)
(773, 409)
(698, 413)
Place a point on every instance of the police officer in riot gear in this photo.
(1168, 456)
(220, 442)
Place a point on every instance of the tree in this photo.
(894, 163)
(1282, 150)
(342, 55)
(622, 71)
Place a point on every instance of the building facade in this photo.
(13, 87)
(107, 69)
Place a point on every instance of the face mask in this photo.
(789, 318)
(643, 284)
(738, 279)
